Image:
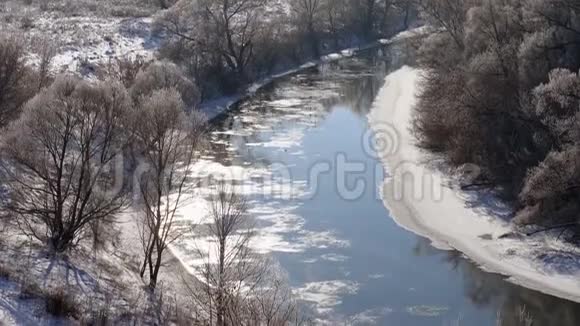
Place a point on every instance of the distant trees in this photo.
(308, 15)
(58, 158)
(235, 25)
(227, 43)
(167, 137)
(494, 96)
(164, 75)
(14, 78)
(223, 31)
(448, 14)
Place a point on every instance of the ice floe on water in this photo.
(255, 149)
(326, 294)
(370, 316)
(334, 257)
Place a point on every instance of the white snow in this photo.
(415, 32)
(90, 42)
(426, 202)
(326, 294)
(278, 229)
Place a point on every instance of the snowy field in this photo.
(84, 35)
(425, 201)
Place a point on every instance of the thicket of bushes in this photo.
(501, 91)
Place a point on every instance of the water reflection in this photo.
(349, 258)
(299, 103)
(510, 302)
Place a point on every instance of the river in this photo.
(301, 149)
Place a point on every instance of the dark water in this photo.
(344, 255)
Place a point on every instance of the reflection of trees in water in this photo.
(355, 82)
(359, 96)
(487, 290)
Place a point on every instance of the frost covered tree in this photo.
(447, 14)
(237, 285)
(230, 261)
(60, 160)
(553, 187)
(165, 75)
(168, 139)
(501, 93)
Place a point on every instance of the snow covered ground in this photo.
(85, 35)
(86, 43)
(427, 202)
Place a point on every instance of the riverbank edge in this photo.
(216, 108)
(439, 211)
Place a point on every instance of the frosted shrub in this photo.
(165, 75)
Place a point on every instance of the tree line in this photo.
(76, 154)
(227, 43)
(501, 90)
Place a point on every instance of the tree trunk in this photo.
(220, 297)
(313, 40)
(61, 241)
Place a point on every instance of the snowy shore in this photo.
(423, 200)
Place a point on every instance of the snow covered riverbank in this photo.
(427, 202)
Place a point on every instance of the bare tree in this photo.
(165, 75)
(232, 271)
(13, 76)
(235, 24)
(59, 157)
(126, 69)
(335, 16)
(308, 14)
(273, 303)
(448, 14)
(225, 28)
(168, 139)
(237, 285)
(46, 52)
